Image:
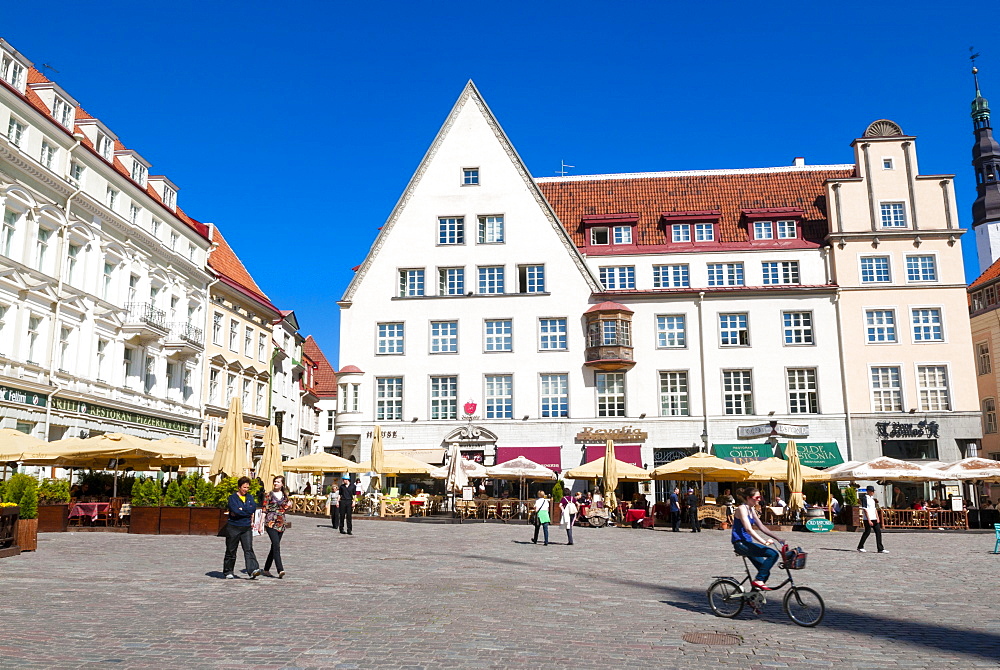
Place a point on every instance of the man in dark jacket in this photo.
(238, 531)
(691, 502)
(675, 510)
(347, 491)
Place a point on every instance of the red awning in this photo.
(550, 457)
(627, 453)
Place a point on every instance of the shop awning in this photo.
(816, 454)
(433, 456)
(629, 453)
(743, 453)
(550, 457)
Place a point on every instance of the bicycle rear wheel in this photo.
(725, 597)
(804, 606)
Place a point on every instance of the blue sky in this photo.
(295, 126)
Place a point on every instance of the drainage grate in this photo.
(712, 638)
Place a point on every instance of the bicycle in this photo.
(803, 605)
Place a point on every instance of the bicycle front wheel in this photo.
(725, 597)
(804, 606)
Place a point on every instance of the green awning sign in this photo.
(743, 453)
(816, 454)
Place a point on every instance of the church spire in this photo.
(986, 161)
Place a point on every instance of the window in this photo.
(921, 268)
(14, 74)
(781, 272)
(72, 260)
(169, 197)
(109, 273)
(671, 276)
(881, 325)
(216, 328)
(187, 390)
(444, 337)
(499, 396)
(886, 163)
(671, 331)
(248, 341)
(330, 413)
(491, 280)
(105, 146)
(725, 274)
(554, 392)
(174, 238)
(411, 283)
(983, 358)
(704, 232)
(875, 269)
(470, 176)
(76, 171)
(355, 397)
(139, 173)
(64, 353)
(451, 230)
(737, 392)
(552, 334)
(154, 227)
(893, 215)
(102, 355)
(498, 335)
(390, 338)
(491, 230)
(618, 277)
(451, 281)
(600, 235)
(887, 390)
(234, 329)
(674, 394)
(9, 228)
(927, 325)
(733, 330)
(531, 279)
(133, 213)
(246, 398)
(444, 397)
(622, 234)
(787, 230)
(763, 230)
(680, 232)
(15, 132)
(47, 155)
(989, 415)
(42, 248)
(133, 285)
(932, 386)
(802, 395)
(609, 333)
(261, 400)
(262, 348)
(191, 249)
(610, 393)
(149, 375)
(797, 328)
(213, 386)
(230, 387)
(128, 355)
(112, 198)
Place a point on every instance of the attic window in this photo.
(62, 111)
(13, 72)
(105, 146)
(139, 173)
(169, 197)
(470, 176)
(599, 235)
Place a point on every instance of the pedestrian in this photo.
(691, 502)
(568, 516)
(729, 503)
(675, 509)
(541, 517)
(749, 539)
(333, 502)
(275, 503)
(871, 517)
(238, 531)
(308, 490)
(347, 491)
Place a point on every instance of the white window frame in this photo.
(621, 234)
(17, 132)
(787, 229)
(618, 277)
(451, 231)
(600, 236)
(802, 389)
(451, 281)
(671, 331)
(933, 398)
(777, 273)
(674, 275)
(498, 335)
(443, 337)
(470, 176)
(726, 274)
(611, 394)
(675, 393)
(874, 323)
(984, 364)
(553, 395)
(933, 328)
(886, 398)
(139, 173)
(389, 398)
(390, 338)
(491, 229)
(704, 232)
(680, 233)
(737, 392)
(989, 415)
(490, 279)
(874, 271)
(728, 329)
(798, 324)
(763, 230)
(47, 156)
(920, 268)
(443, 396)
(888, 163)
(169, 197)
(412, 282)
(531, 278)
(234, 336)
(498, 396)
(552, 333)
(897, 206)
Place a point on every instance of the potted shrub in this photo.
(53, 506)
(175, 517)
(851, 514)
(146, 499)
(22, 490)
(206, 518)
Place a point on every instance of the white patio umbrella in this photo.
(522, 469)
(973, 468)
(884, 468)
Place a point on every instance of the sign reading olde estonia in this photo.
(623, 434)
(764, 430)
(20, 397)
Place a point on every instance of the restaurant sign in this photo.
(816, 454)
(623, 434)
(8, 394)
(764, 430)
(924, 428)
(819, 525)
(743, 453)
(97, 411)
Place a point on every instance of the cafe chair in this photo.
(996, 529)
(104, 516)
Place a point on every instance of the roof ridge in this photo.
(695, 173)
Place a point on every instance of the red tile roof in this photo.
(992, 272)
(609, 306)
(350, 369)
(659, 193)
(227, 264)
(324, 378)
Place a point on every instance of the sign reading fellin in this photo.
(623, 434)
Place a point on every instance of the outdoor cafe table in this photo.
(91, 510)
(633, 515)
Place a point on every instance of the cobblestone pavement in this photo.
(404, 595)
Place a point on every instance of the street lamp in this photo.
(704, 440)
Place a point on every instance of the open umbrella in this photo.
(96, 452)
(13, 444)
(610, 475)
(973, 468)
(231, 458)
(397, 464)
(887, 469)
(595, 469)
(321, 462)
(468, 468)
(270, 461)
(776, 469)
(795, 497)
(522, 469)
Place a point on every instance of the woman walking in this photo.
(749, 537)
(275, 504)
(568, 517)
(238, 532)
(541, 517)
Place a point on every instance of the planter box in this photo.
(53, 518)
(26, 534)
(175, 520)
(145, 521)
(206, 521)
(8, 531)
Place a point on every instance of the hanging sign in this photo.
(764, 430)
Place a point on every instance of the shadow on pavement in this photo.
(217, 574)
(935, 636)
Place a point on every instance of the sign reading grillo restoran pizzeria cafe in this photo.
(67, 405)
(623, 434)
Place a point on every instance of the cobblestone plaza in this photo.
(405, 595)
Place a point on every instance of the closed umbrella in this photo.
(469, 468)
(377, 458)
(270, 461)
(231, 458)
(458, 477)
(610, 475)
(795, 497)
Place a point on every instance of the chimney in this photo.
(798, 161)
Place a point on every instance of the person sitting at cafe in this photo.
(587, 499)
(578, 499)
(505, 494)
(778, 502)
(834, 506)
(420, 495)
(918, 504)
(986, 504)
(308, 490)
(639, 502)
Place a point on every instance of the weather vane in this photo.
(562, 170)
(972, 59)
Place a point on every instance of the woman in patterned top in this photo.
(275, 504)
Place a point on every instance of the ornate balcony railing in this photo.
(146, 313)
(188, 332)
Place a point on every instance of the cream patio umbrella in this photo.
(377, 458)
(595, 470)
(397, 464)
(699, 464)
(321, 462)
(186, 453)
(13, 444)
(884, 468)
(795, 497)
(469, 470)
(974, 468)
(97, 451)
(776, 469)
(231, 457)
(269, 466)
(610, 476)
(522, 469)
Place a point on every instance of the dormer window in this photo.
(105, 146)
(691, 227)
(599, 235)
(680, 232)
(62, 111)
(169, 197)
(704, 232)
(13, 72)
(770, 230)
(774, 223)
(609, 229)
(139, 173)
(622, 234)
